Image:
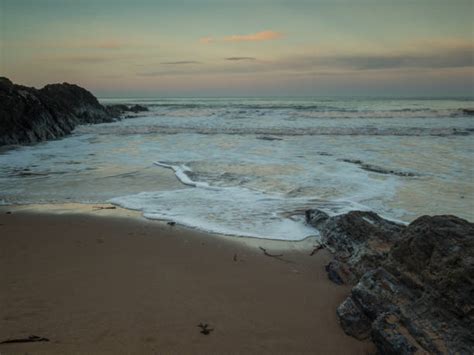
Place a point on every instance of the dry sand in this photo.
(111, 282)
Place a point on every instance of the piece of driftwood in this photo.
(205, 328)
(316, 249)
(30, 339)
(97, 208)
(270, 255)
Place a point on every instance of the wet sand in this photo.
(108, 281)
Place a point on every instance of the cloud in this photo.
(253, 37)
(181, 62)
(151, 73)
(109, 44)
(83, 59)
(240, 58)
(206, 40)
(442, 58)
(434, 58)
(259, 36)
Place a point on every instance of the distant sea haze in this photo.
(251, 166)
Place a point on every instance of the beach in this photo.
(108, 281)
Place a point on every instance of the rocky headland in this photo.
(413, 286)
(29, 115)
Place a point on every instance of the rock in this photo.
(353, 320)
(118, 110)
(138, 108)
(468, 111)
(334, 272)
(420, 297)
(30, 115)
(316, 218)
(269, 138)
(388, 336)
(359, 239)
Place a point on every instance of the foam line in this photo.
(180, 172)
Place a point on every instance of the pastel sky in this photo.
(242, 48)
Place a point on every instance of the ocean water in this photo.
(251, 166)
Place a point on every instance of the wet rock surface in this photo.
(29, 115)
(413, 285)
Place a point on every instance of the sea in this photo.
(251, 166)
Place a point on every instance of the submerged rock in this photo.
(30, 115)
(413, 286)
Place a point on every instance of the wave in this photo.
(275, 131)
(234, 210)
(380, 170)
(180, 172)
(316, 110)
(320, 108)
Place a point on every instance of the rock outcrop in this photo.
(413, 286)
(359, 240)
(30, 115)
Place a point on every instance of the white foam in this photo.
(180, 172)
(231, 211)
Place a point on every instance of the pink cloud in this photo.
(206, 40)
(253, 37)
(259, 36)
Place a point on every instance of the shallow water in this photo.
(251, 166)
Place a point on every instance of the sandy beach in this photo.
(108, 281)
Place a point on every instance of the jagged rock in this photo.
(391, 337)
(353, 320)
(118, 110)
(30, 115)
(359, 239)
(138, 108)
(334, 270)
(421, 296)
(316, 218)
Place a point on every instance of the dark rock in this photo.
(138, 108)
(353, 320)
(378, 169)
(269, 138)
(334, 274)
(420, 296)
(468, 111)
(316, 218)
(391, 337)
(119, 110)
(359, 239)
(29, 115)
(116, 110)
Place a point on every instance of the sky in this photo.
(146, 48)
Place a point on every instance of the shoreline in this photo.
(110, 210)
(109, 282)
